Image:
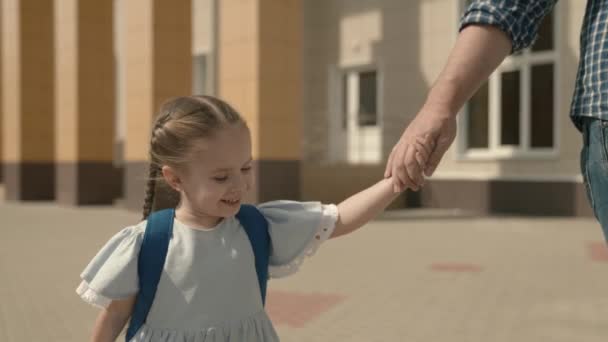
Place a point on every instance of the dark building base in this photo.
(88, 183)
(531, 198)
(29, 181)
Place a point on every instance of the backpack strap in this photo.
(150, 265)
(256, 227)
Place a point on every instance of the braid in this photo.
(154, 170)
(161, 121)
(150, 190)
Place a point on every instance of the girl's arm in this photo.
(360, 208)
(112, 320)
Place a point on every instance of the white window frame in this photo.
(523, 64)
(339, 138)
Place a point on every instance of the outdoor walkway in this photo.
(412, 279)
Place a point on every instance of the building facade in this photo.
(368, 66)
(327, 88)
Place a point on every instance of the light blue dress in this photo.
(209, 289)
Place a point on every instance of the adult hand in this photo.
(420, 148)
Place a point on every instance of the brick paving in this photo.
(410, 279)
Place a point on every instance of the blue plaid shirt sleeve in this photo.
(520, 19)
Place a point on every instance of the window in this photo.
(199, 74)
(357, 138)
(513, 113)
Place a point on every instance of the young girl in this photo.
(208, 290)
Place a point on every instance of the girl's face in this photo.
(218, 175)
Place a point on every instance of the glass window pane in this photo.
(199, 74)
(510, 82)
(367, 99)
(545, 35)
(478, 119)
(542, 106)
(344, 101)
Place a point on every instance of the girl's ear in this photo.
(172, 178)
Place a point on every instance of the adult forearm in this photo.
(478, 51)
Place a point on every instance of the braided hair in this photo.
(181, 121)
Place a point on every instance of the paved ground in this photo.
(412, 279)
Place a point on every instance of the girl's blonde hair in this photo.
(180, 122)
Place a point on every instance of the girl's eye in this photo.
(221, 179)
(246, 169)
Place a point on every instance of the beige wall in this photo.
(1, 104)
(202, 43)
(260, 72)
(66, 80)
(280, 79)
(120, 115)
(409, 41)
(238, 70)
(84, 81)
(202, 16)
(139, 83)
(158, 65)
(28, 66)
(386, 34)
(11, 132)
(353, 34)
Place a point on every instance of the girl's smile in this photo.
(216, 176)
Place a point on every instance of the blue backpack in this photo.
(154, 252)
